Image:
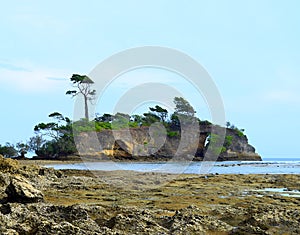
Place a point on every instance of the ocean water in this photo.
(267, 166)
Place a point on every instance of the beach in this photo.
(128, 202)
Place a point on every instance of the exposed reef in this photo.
(124, 202)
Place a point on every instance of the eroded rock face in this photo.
(16, 182)
(21, 190)
(140, 144)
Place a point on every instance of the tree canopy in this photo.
(83, 85)
(183, 107)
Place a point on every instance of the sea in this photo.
(267, 166)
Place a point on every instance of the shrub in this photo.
(172, 133)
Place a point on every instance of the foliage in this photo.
(83, 85)
(214, 139)
(22, 149)
(104, 118)
(240, 132)
(183, 107)
(83, 125)
(150, 118)
(173, 133)
(8, 150)
(228, 141)
(60, 133)
(120, 121)
(206, 123)
(99, 126)
(228, 124)
(184, 112)
(55, 138)
(160, 112)
(35, 143)
(137, 119)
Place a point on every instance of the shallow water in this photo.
(273, 191)
(268, 166)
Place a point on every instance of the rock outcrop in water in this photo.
(146, 143)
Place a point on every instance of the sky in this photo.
(250, 49)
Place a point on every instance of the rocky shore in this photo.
(149, 144)
(36, 200)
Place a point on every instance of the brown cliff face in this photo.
(146, 143)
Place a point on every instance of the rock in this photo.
(4, 182)
(142, 146)
(193, 221)
(8, 165)
(10, 232)
(20, 190)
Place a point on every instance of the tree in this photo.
(137, 119)
(228, 124)
(83, 85)
(8, 150)
(60, 133)
(35, 143)
(161, 112)
(150, 118)
(54, 129)
(104, 118)
(22, 149)
(183, 107)
(120, 120)
(184, 112)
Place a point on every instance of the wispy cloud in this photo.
(56, 79)
(12, 67)
(33, 79)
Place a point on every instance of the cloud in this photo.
(32, 79)
(283, 96)
(12, 67)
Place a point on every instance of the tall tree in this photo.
(161, 112)
(183, 107)
(83, 85)
(183, 112)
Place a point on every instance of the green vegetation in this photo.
(83, 84)
(59, 137)
(8, 150)
(239, 132)
(172, 133)
(56, 138)
(161, 112)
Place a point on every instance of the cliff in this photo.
(156, 144)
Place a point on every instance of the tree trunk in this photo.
(86, 108)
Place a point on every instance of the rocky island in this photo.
(139, 145)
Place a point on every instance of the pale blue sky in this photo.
(250, 48)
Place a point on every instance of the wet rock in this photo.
(20, 190)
